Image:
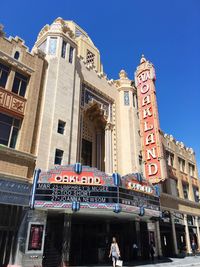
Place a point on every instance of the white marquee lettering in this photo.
(147, 127)
(97, 180)
(143, 188)
(151, 153)
(58, 178)
(152, 169)
(72, 179)
(78, 179)
(146, 100)
(85, 179)
(150, 139)
(147, 113)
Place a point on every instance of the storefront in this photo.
(79, 209)
(14, 198)
(166, 235)
(192, 229)
(180, 232)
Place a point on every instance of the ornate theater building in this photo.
(103, 167)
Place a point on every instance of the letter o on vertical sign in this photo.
(144, 88)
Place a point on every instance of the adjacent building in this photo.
(179, 198)
(20, 82)
(107, 168)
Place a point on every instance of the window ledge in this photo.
(13, 152)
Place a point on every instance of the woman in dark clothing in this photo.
(151, 250)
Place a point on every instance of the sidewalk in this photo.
(175, 262)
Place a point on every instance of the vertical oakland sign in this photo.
(152, 152)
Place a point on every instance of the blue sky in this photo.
(167, 32)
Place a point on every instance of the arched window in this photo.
(16, 55)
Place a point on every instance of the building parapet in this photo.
(178, 143)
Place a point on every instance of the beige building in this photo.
(20, 81)
(180, 198)
(83, 114)
(68, 111)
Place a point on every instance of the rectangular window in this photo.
(170, 158)
(181, 164)
(63, 51)
(58, 156)
(71, 52)
(86, 155)
(190, 220)
(4, 71)
(185, 191)
(191, 169)
(140, 159)
(133, 100)
(126, 98)
(61, 127)
(52, 46)
(20, 84)
(9, 129)
(196, 193)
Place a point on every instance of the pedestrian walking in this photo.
(114, 251)
(152, 251)
(135, 251)
(194, 247)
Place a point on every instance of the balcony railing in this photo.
(12, 103)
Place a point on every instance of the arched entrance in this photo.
(93, 136)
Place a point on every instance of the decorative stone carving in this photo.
(59, 25)
(89, 97)
(123, 74)
(145, 65)
(12, 102)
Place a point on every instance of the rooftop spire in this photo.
(143, 59)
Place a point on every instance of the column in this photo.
(99, 150)
(174, 234)
(198, 232)
(67, 52)
(137, 227)
(66, 240)
(187, 235)
(158, 239)
(10, 80)
(108, 149)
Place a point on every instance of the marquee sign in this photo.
(67, 175)
(149, 122)
(131, 182)
(62, 186)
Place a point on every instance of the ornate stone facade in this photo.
(71, 112)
